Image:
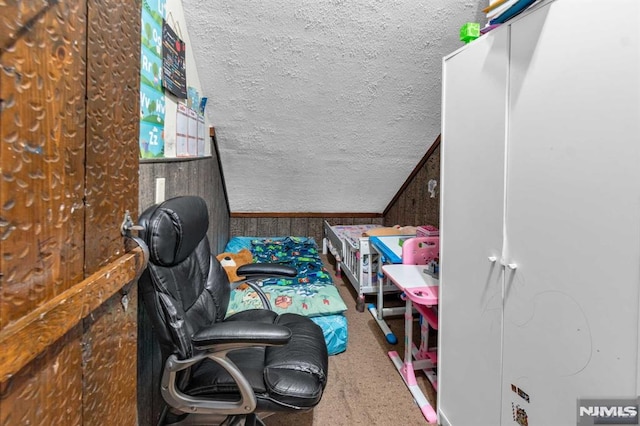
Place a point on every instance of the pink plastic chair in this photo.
(420, 250)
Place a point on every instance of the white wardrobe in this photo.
(540, 216)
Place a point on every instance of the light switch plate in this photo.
(159, 190)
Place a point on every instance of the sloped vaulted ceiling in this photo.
(322, 105)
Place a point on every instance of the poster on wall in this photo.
(152, 101)
(152, 112)
(151, 31)
(156, 7)
(150, 69)
(174, 77)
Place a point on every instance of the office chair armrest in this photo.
(250, 270)
(238, 334)
(255, 271)
(174, 397)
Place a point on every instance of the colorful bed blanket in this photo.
(311, 293)
(301, 253)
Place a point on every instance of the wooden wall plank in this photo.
(278, 226)
(236, 226)
(113, 99)
(42, 85)
(414, 205)
(109, 358)
(111, 189)
(25, 338)
(181, 178)
(69, 172)
(299, 226)
(268, 227)
(283, 226)
(315, 230)
(48, 391)
(150, 362)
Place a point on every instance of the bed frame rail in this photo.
(357, 263)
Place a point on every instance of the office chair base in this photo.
(212, 419)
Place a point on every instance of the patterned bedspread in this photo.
(310, 293)
(301, 253)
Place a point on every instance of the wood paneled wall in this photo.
(69, 106)
(414, 204)
(199, 176)
(43, 138)
(293, 225)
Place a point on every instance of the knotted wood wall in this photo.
(69, 159)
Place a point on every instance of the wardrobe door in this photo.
(472, 167)
(573, 211)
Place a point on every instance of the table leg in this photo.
(377, 315)
(378, 312)
(406, 369)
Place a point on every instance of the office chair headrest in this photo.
(173, 229)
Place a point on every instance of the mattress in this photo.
(311, 293)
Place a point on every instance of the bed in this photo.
(354, 256)
(311, 293)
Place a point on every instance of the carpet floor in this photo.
(364, 387)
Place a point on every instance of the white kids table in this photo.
(389, 249)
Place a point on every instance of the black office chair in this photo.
(221, 371)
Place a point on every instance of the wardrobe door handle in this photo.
(512, 266)
(493, 259)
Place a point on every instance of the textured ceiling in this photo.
(322, 105)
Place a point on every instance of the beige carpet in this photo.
(364, 387)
